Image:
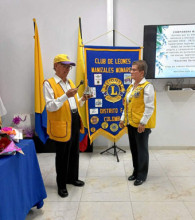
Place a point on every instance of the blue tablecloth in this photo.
(21, 183)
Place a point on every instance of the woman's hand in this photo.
(141, 128)
(121, 124)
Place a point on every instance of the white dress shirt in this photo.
(53, 104)
(148, 101)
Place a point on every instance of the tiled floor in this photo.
(168, 193)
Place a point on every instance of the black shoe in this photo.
(77, 183)
(138, 182)
(62, 193)
(131, 178)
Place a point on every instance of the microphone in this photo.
(81, 82)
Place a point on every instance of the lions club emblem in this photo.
(104, 125)
(93, 129)
(113, 127)
(113, 90)
(94, 120)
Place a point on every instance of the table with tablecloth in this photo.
(21, 183)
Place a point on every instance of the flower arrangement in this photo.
(7, 146)
(4, 142)
(27, 132)
(8, 131)
(16, 120)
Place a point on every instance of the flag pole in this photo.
(34, 23)
(113, 38)
(80, 29)
(113, 20)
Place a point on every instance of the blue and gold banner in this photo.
(108, 75)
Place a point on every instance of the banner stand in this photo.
(115, 151)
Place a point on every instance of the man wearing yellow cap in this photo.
(64, 123)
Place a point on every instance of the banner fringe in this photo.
(107, 135)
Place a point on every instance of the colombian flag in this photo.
(80, 75)
(40, 109)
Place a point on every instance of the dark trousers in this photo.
(67, 156)
(139, 150)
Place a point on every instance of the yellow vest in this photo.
(134, 110)
(59, 123)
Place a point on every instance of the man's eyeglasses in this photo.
(134, 70)
(66, 66)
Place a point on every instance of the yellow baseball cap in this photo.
(63, 58)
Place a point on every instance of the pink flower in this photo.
(6, 129)
(17, 120)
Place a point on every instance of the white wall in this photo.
(58, 28)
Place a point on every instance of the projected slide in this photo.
(175, 51)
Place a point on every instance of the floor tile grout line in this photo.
(189, 157)
(153, 154)
(187, 209)
(126, 175)
(133, 214)
(83, 189)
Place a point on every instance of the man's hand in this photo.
(141, 128)
(71, 92)
(121, 124)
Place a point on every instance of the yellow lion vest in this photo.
(134, 110)
(59, 123)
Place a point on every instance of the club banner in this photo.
(108, 76)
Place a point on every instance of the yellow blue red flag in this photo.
(40, 109)
(80, 75)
